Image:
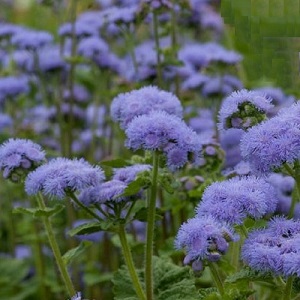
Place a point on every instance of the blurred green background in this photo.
(267, 32)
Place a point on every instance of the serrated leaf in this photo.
(37, 212)
(209, 292)
(92, 227)
(115, 163)
(92, 278)
(171, 282)
(133, 187)
(247, 274)
(70, 255)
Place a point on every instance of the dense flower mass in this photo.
(204, 239)
(13, 86)
(235, 199)
(61, 175)
(274, 249)
(139, 102)
(128, 174)
(274, 142)
(164, 132)
(243, 109)
(19, 155)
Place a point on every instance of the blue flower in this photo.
(274, 249)
(81, 30)
(128, 174)
(91, 47)
(109, 191)
(235, 199)
(240, 109)
(11, 87)
(164, 132)
(61, 175)
(274, 142)
(18, 157)
(31, 40)
(126, 106)
(204, 239)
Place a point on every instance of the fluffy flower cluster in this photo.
(109, 191)
(274, 142)
(164, 132)
(274, 249)
(243, 109)
(126, 106)
(61, 175)
(11, 87)
(18, 157)
(235, 199)
(204, 239)
(112, 190)
(128, 174)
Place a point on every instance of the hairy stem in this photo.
(129, 263)
(55, 249)
(150, 229)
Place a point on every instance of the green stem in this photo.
(216, 277)
(86, 209)
(56, 252)
(150, 229)
(288, 288)
(157, 46)
(129, 262)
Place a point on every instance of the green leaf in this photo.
(70, 255)
(92, 278)
(142, 213)
(171, 282)
(209, 293)
(134, 187)
(92, 227)
(247, 274)
(37, 212)
(115, 163)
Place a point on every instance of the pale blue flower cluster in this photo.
(61, 175)
(233, 115)
(274, 249)
(19, 155)
(161, 131)
(125, 107)
(204, 238)
(274, 142)
(233, 200)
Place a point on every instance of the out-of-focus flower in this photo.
(13, 86)
(18, 157)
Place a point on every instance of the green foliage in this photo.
(72, 254)
(38, 212)
(171, 282)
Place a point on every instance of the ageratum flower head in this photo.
(274, 142)
(235, 199)
(274, 249)
(18, 157)
(204, 239)
(126, 106)
(109, 191)
(243, 109)
(128, 174)
(161, 131)
(12, 86)
(31, 40)
(221, 85)
(81, 30)
(61, 175)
